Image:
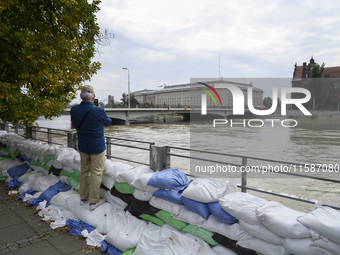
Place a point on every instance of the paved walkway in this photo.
(22, 231)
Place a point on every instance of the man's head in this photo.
(87, 93)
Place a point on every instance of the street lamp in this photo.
(128, 85)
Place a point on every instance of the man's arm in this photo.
(72, 125)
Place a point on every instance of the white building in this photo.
(190, 94)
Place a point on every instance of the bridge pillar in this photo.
(159, 159)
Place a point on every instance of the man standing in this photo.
(89, 121)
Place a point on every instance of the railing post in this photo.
(108, 147)
(30, 132)
(16, 130)
(49, 136)
(72, 140)
(6, 125)
(244, 176)
(158, 158)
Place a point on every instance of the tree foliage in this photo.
(133, 101)
(46, 47)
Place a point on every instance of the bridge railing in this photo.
(162, 157)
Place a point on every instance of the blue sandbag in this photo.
(24, 157)
(173, 179)
(216, 210)
(169, 195)
(14, 183)
(50, 192)
(200, 208)
(17, 171)
(109, 248)
(30, 191)
(78, 227)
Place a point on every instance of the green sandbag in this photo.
(16, 153)
(72, 182)
(124, 187)
(129, 252)
(2, 178)
(153, 219)
(6, 157)
(76, 175)
(35, 163)
(177, 224)
(65, 173)
(47, 168)
(202, 233)
(48, 158)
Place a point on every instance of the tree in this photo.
(133, 101)
(267, 102)
(46, 47)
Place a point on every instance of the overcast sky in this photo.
(169, 42)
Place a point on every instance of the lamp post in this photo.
(128, 85)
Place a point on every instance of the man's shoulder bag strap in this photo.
(84, 118)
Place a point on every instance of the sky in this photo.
(170, 41)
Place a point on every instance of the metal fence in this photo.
(161, 157)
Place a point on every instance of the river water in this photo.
(313, 140)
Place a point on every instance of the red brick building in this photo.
(302, 72)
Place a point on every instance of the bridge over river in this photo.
(127, 115)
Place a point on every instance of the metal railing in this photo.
(160, 157)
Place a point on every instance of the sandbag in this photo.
(201, 209)
(303, 246)
(205, 190)
(327, 245)
(138, 177)
(73, 204)
(93, 218)
(153, 240)
(112, 216)
(124, 188)
(172, 208)
(282, 220)
(155, 220)
(220, 214)
(189, 216)
(181, 244)
(127, 198)
(126, 233)
(242, 206)
(51, 191)
(232, 245)
(108, 181)
(142, 195)
(138, 207)
(202, 233)
(323, 220)
(205, 249)
(261, 232)
(173, 179)
(110, 198)
(61, 198)
(115, 169)
(173, 196)
(221, 250)
(42, 183)
(166, 217)
(17, 171)
(263, 247)
(234, 232)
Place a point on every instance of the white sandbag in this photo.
(131, 177)
(142, 195)
(190, 217)
(153, 240)
(282, 220)
(8, 163)
(30, 180)
(172, 208)
(110, 219)
(93, 218)
(57, 164)
(261, 232)
(108, 181)
(42, 183)
(205, 249)
(110, 198)
(242, 206)
(328, 245)
(181, 244)
(116, 169)
(221, 250)
(44, 148)
(126, 233)
(205, 190)
(142, 180)
(23, 178)
(61, 198)
(303, 246)
(234, 232)
(95, 238)
(29, 197)
(325, 221)
(263, 247)
(73, 204)
(108, 164)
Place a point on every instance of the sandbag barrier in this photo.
(163, 212)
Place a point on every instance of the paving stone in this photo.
(24, 244)
(34, 239)
(22, 241)
(13, 246)
(3, 251)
